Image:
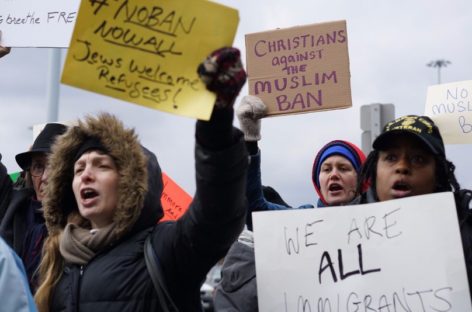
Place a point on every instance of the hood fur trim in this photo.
(123, 146)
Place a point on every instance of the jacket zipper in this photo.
(77, 296)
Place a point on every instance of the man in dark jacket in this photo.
(409, 159)
(21, 219)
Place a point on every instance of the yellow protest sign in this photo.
(300, 69)
(147, 52)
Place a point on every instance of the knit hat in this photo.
(341, 148)
(42, 144)
(421, 127)
(91, 143)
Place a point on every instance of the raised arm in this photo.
(217, 214)
(250, 112)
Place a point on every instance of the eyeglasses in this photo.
(37, 169)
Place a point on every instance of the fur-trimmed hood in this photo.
(139, 188)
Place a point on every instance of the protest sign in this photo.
(450, 106)
(300, 69)
(147, 52)
(399, 255)
(30, 23)
(174, 199)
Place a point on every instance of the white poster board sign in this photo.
(399, 255)
(34, 23)
(450, 106)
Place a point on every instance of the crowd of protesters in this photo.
(82, 226)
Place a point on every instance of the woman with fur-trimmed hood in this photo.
(103, 201)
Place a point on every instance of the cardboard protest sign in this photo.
(450, 106)
(147, 52)
(300, 69)
(32, 23)
(174, 199)
(398, 255)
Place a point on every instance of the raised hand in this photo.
(250, 111)
(222, 72)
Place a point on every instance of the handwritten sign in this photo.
(32, 23)
(399, 255)
(450, 106)
(300, 69)
(147, 52)
(175, 201)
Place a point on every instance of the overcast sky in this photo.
(390, 43)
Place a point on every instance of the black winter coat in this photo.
(116, 278)
(13, 225)
(464, 213)
(17, 217)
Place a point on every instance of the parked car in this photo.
(207, 290)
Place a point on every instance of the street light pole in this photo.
(439, 64)
(53, 84)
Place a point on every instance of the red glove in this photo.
(222, 72)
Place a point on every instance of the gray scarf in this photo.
(78, 245)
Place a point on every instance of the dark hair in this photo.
(446, 179)
(369, 172)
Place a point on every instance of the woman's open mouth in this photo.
(401, 189)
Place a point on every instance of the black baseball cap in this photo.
(42, 144)
(422, 127)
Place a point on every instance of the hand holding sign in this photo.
(3, 50)
(249, 113)
(223, 73)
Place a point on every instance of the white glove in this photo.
(249, 113)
